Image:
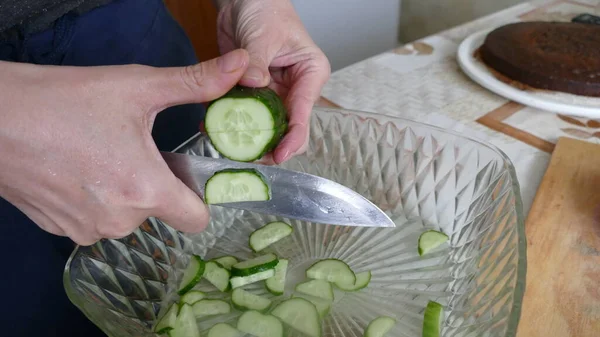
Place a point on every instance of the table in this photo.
(422, 81)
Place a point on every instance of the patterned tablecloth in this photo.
(422, 81)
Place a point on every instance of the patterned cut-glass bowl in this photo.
(421, 176)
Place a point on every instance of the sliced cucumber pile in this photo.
(246, 123)
(332, 270)
(240, 281)
(323, 306)
(255, 265)
(224, 330)
(192, 297)
(207, 307)
(362, 281)
(226, 261)
(217, 275)
(433, 319)
(276, 284)
(236, 185)
(317, 288)
(269, 234)
(185, 324)
(380, 326)
(192, 274)
(300, 314)
(244, 300)
(257, 324)
(167, 321)
(430, 240)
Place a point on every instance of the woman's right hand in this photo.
(78, 155)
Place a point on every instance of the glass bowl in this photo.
(421, 176)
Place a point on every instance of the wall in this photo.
(349, 31)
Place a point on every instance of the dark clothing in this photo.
(34, 302)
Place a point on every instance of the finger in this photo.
(183, 209)
(261, 55)
(199, 83)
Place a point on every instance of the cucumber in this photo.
(276, 284)
(224, 330)
(236, 185)
(380, 326)
(362, 280)
(226, 261)
(192, 297)
(185, 324)
(192, 274)
(246, 123)
(244, 300)
(332, 270)
(167, 321)
(217, 276)
(257, 324)
(433, 319)
(430, 240)
(208, 307)
(255, 265)
(300, 314)
(241, 281)
(317, 288)
(268, 235)
(322, 305)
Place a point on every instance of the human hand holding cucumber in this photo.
(282, 57)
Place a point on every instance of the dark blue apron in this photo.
(32, 298)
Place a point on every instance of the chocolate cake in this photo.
(557, 56)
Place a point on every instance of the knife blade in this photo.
(294, 195)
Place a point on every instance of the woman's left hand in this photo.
(282, 56)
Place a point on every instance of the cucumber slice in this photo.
(380, 326)
(191, 275)
(255, 265)
(317, 288)
(224, 330)
(244, 300)
(257, 324)
(246, 123)
(185, 324)
(362, 280)
(430, 240)
(276, 284)
(323, 306)
(269, 234)
(167, 321)
(331, 270)
(300, 314)
(217, 276)
(208, 307)
(433, 319)
(241, 281)
(192, 297)
(236, 185)
(226, 261)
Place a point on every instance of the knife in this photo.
(294, 195)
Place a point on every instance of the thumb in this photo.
(199, 83)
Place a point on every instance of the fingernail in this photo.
(255, 75)
(230, 62)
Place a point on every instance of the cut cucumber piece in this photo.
(276, 284)
(323, 306)
(380, 326)
(224, 330)
(362, 280)
(433, 319)
(430, 240)
(244, 300)
(226, 261)
(192, 274)
(208, 307)
(185, 324)
(236, 185)
(331, 270)
(255, 265)
(192, 297)
(269, 234)
(317, 288)
(241, 281)
(217, 276)
(300, 314)
(246, 123)
(167, 321)
(259, 325)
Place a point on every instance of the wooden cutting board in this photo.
(562, 296)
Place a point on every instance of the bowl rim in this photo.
(380, 118)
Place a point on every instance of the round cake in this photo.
(557, 56)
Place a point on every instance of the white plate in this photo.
(558, 102)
